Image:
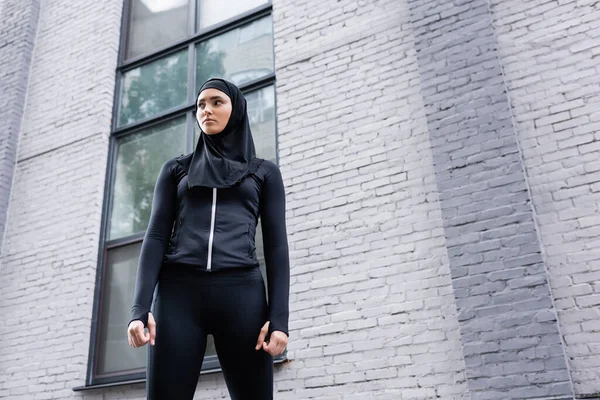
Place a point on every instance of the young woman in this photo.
(200, 248)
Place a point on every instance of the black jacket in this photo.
(215, 229)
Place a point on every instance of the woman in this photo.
(199, 247)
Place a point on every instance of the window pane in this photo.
(154, 24)
(261, 112)
(114, 351)
(115, 354)
(139, 158)
(153, 88)
(240, 55)
(211, 12)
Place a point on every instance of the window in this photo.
(169, 48)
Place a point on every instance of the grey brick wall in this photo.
(550, 54)
(511, 341)
(372, 304)
(51, 243)
(373, 313)
(417, 268)
(18, 25)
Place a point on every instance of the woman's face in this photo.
(214, 110)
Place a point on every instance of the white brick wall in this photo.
(18, 27)
(372, 308)
(549, 52)
(50, 251)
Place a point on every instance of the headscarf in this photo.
(223, 159)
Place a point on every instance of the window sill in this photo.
(277, 360)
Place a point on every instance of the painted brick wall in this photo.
(509, 329)
(18, 24)
(372, 304)
(550, 55)
(51, 244)
(373, 312)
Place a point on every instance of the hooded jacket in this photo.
(214, 229)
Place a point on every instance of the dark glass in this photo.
(114, 353)
(211, 12)
(153, 88)
(139, 158)
(261, 112)
(154, 24)
(240, 55)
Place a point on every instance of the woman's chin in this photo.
(211, 131)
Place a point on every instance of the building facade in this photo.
(442, 170)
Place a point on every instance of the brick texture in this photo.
(18, 25)
(511, 341)
(372, 304)
(550, 55)
(50, 251)
(417, 269)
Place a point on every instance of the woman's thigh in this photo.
(238, 318)
(174, 362)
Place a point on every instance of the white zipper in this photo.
(212, 229)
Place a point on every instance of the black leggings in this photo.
(231, 305)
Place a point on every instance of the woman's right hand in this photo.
(136, 335)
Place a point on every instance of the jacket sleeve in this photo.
(155, 242)
(277, 259)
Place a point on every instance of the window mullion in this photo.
(191, 95)
(193, 9)
(191, 73)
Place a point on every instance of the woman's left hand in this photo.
(276, 344)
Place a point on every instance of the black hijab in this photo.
(223, 159)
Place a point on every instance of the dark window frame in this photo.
(210, 364)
